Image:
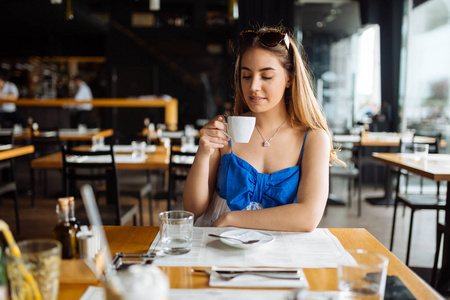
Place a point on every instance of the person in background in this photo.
(8, 111)
(83, 111)
(279, 180)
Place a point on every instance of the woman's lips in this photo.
(256, 99)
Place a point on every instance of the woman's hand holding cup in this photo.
(212, 136)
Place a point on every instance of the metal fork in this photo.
(227, 277)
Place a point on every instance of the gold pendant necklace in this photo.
(266, 143)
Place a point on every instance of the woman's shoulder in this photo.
(318, 138)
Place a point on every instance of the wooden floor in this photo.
(38, 222)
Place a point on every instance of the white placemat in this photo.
(98, 293)
(119, 158)
(124, 148)
(316, 249)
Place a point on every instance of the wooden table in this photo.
(69, 134)
(16, 151)
(380, 139)
(158, 160)
(170, 106)
(435, 167)
(138, 239)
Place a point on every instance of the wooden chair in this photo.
(45, 142)
(440, 230)
(179, 165)
(434, 147)
(416, 202)
(351, 172)
(89, 166)
(139, 190)
(8, 179)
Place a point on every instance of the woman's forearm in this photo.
(290, 217)
(197, 188)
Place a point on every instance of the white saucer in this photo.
(246, 235)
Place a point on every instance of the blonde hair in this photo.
(301, 104)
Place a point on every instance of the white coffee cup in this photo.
(240, 129)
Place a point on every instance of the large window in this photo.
(350, 90)
(426, 76)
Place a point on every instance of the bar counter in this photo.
(170, 106)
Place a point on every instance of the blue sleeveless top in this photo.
(244, 188)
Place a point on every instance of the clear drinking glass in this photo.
(362, 274)
(138, 148)
(420, 151)
(97, 143)
(82, 128)
(176, 231)
(42, 259)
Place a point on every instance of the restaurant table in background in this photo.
(10, 151)
(381, 139)
(132, 239)
(156, 160)
(67, 134)
(435, 167)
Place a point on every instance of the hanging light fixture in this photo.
(56, 1)
(233, 9)
(154, 5)
(69, 10)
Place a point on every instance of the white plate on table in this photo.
(246, 235)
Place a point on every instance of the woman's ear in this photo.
(289, 82)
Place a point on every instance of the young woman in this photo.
(279, 180)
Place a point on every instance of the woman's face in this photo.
(263, 80)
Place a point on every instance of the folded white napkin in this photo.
(260, 281)
(6, 147)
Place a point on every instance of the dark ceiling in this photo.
(37, 27)
(338, 18)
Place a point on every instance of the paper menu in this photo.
(316, 249)
(98, 293)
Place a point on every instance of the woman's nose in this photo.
(256, 85)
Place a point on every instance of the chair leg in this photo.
(150, 198)
(436, 256)
(150, 208)
(141, 211)
(16, 208)
(393, 225)
(406, 183)
(421, 185)
(359, 197)
(349, 193)
(33, 190)
(408, 249)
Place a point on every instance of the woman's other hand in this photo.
(212, 137)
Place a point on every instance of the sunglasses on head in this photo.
(270, 38)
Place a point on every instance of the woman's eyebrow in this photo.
(261, 70)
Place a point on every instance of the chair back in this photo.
(92, 167)
(7, 138)
(433, 145)
(45, 141)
